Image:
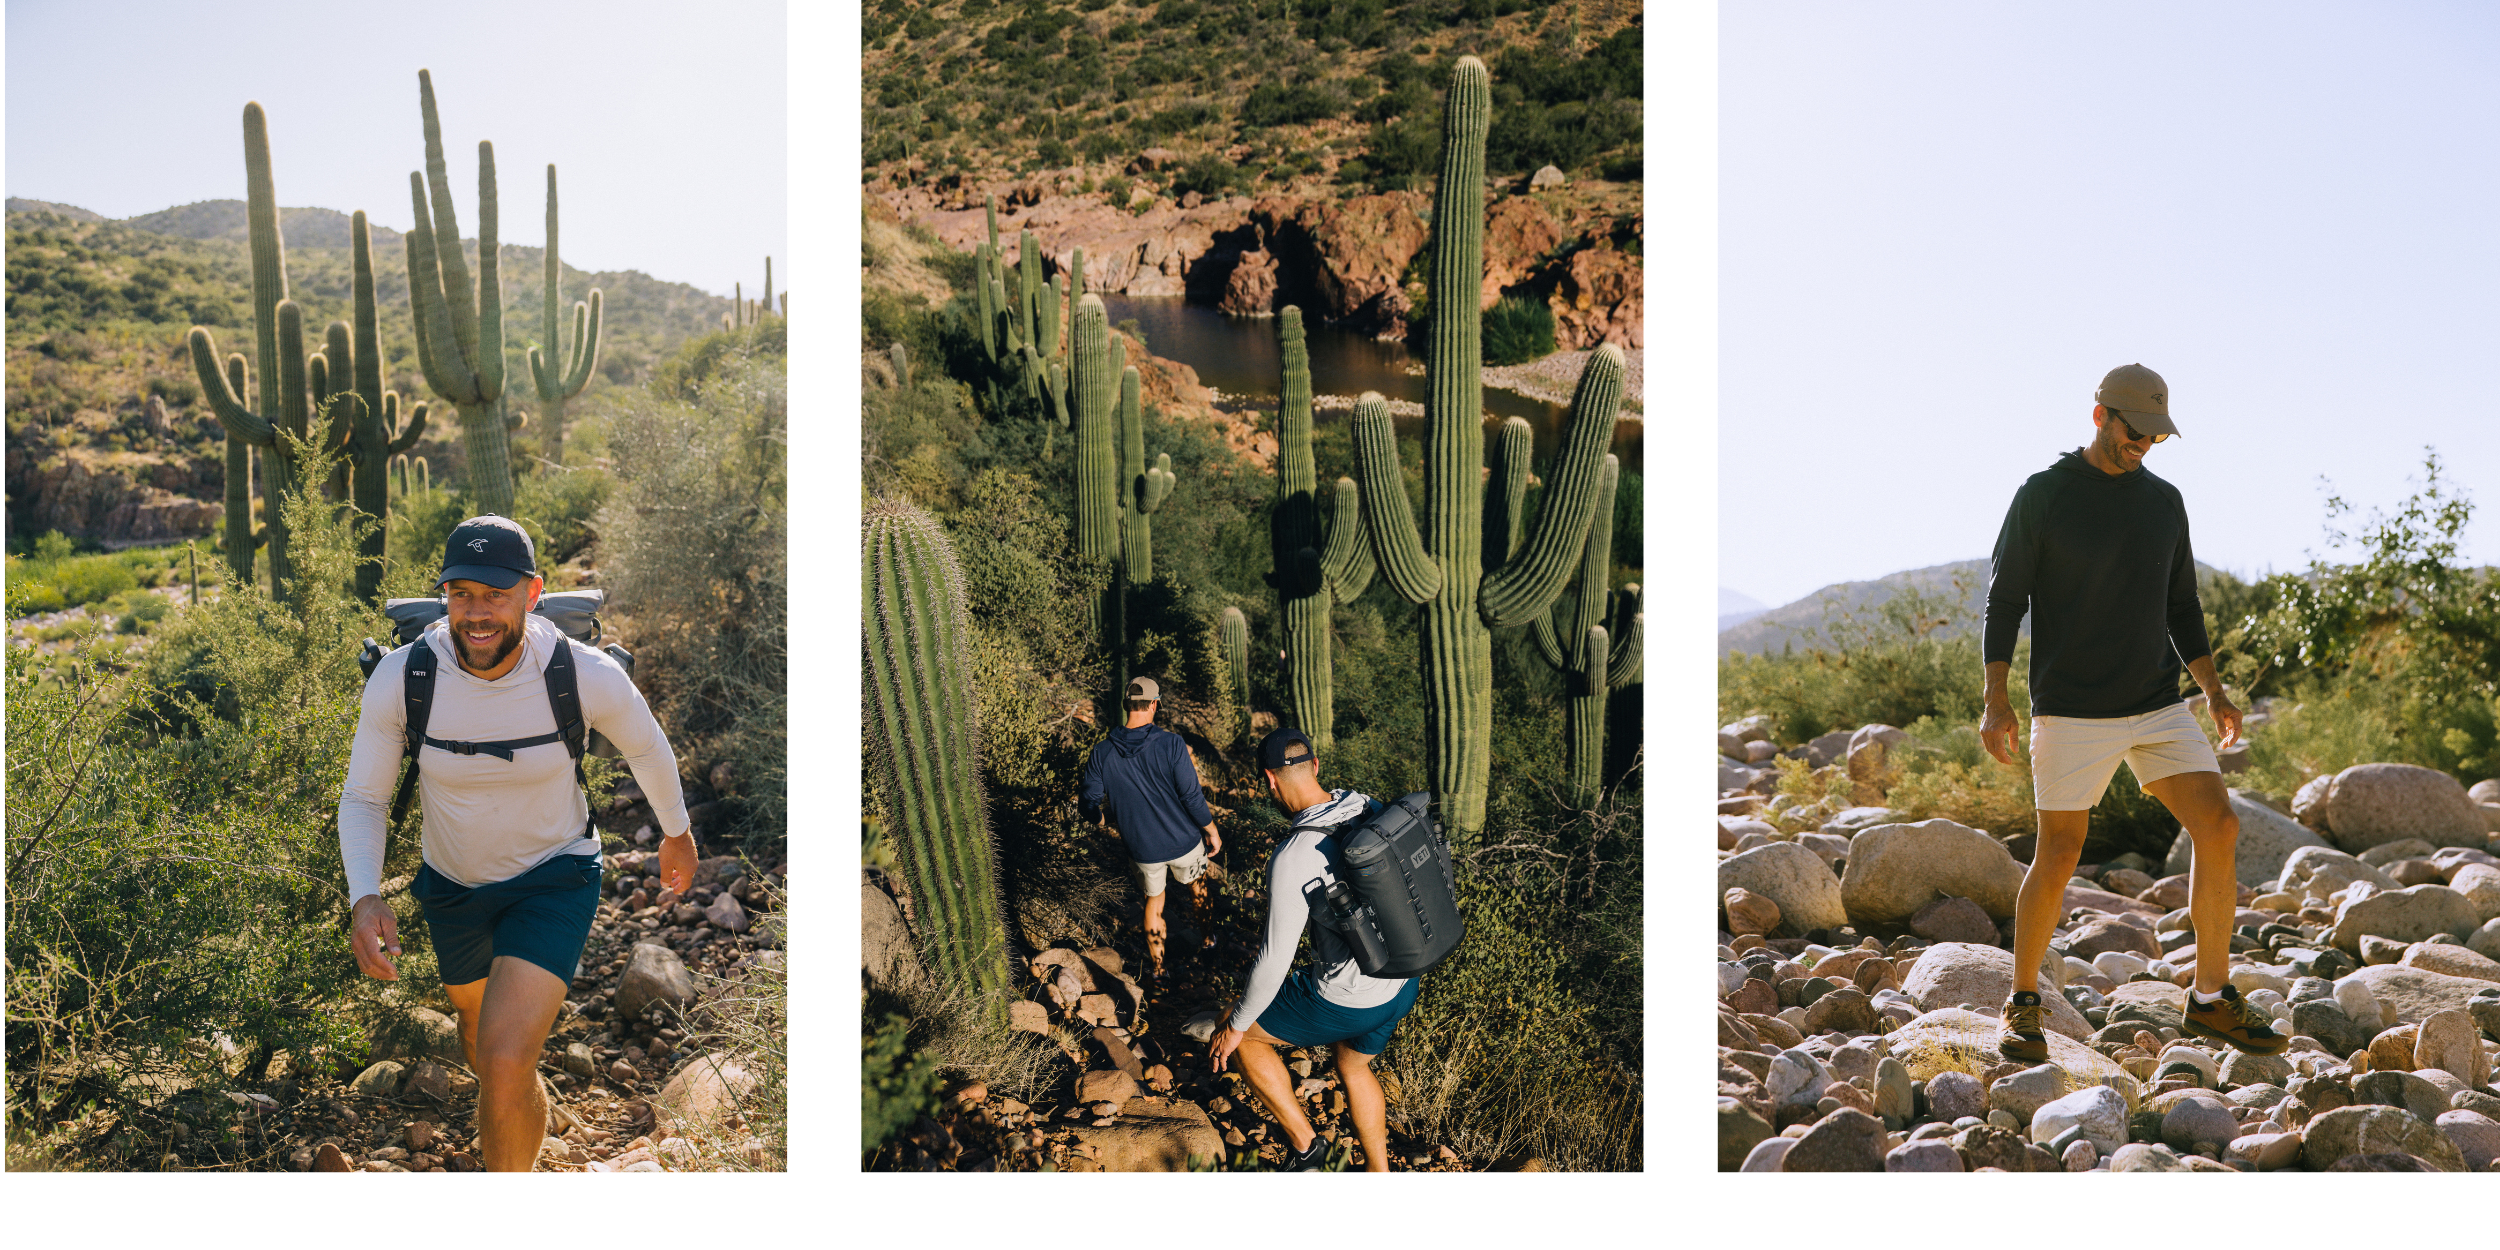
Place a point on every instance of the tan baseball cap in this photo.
(2140, 396)
(1143, 688)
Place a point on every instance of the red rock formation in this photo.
(1598, 299)
(1250, 290)
(1517, 236)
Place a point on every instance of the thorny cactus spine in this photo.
(1443, 567)
(1590, 668)
(921, 718)
(459, 324)
(559, 376)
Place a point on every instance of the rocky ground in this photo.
(628, 1088)
(1127, 1087)
(1862, 963)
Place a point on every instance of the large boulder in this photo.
(1154, 1135)
(2317, 871)
(2267, 838)
(2407, 915)
(704, 1091)
(1896, 869)
(2101, 1112)
(1953, 1040)
(2448, 1040)
(1847, 1140)
(2375, 1129)
(2373, 803)
(1951, 973)
(2416, 993)
(2455, 961)
(2480, 884)
(1792, 876)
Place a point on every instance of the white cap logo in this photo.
(477, 544)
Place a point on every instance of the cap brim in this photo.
(494, 575)
(2148, 422)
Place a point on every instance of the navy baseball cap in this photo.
(490, 549)
(1276, 750)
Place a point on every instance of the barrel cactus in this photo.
(921, 720)
(459, 324)
(560, 375)
(1579, 648)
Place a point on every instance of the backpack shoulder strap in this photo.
(417, 698)
(564, 698)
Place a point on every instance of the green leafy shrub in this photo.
(896, 1085)
(1517, 331)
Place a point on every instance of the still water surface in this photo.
(1239, 356)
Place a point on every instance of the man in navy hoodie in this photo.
(2095, 549)
(1142, 783)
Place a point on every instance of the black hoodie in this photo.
(2103, 566)
(1144, 777)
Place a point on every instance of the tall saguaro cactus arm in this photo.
(1347, 563)
(1624, 668)
(921, 718)
(1233, 632)
(460, 324)
(1529, 581)
(1387, 515)
(559, 375)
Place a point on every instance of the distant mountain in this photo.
(71, 211)
(1736, 607)
(1959, 589)
(227, 219)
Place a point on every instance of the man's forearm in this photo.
(1998, 674)
(2202, 669)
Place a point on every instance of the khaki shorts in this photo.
(1186, 869)
(2072, 759)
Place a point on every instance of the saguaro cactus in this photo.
(1233, 633)
(559, 376)
(1309, 575)
(291, 385)
(1143, 488)
(922, 728)
(1444, 567)
(1092, 394)
(1580, 650)
(373, 432)
(459, 324)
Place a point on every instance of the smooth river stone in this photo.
(1953, 1040)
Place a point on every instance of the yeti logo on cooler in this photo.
(1417, 859)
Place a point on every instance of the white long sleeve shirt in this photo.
(489, 819)
(1298, 877)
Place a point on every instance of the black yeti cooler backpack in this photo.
(573, 612)
(1396, 895)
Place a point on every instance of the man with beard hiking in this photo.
(511, 875)
(2095, 548)
(1142, 783)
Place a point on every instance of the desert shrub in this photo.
(1517, 331)
(1891, 664)
(558, 506)
(50, 578)
(692, 543)
(1276, 104)
(1210, 176)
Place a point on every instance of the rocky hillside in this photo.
(1165, 142)
(1957, 593)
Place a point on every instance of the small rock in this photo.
(1749, 912)
(329, 1158)
(2144, 1157)
(382, 1080)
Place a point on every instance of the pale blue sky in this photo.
(1941, 223)
(666, 121)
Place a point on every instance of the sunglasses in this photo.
(2136, 436)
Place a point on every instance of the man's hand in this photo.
(677, 863)
(1996, 730)
(1221, 1046)
(1215, 841)
(373, 935)
(2226, 717)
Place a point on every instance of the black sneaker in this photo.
(1309, 1158)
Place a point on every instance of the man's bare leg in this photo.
(2203, 805)
(1368, 1106)
(467, 999)
(1154, 933)
(2042, 902)
(1202, 913)
(1274, 1083)
(517, 1007)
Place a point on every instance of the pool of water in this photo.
(1240, 356)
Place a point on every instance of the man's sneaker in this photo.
(2230, 1019)
(1309, 1158)
(2021, 1039)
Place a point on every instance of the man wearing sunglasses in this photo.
(2095, 549)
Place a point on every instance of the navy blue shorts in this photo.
(1300, 1017)
(542, 916)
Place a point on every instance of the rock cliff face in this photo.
(119, 499)
(1344, 261)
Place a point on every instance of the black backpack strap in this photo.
(417, 697)
(564, 698)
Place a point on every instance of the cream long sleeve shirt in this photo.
(489, 819)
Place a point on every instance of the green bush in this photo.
(1210, 176)
(1517, 331)
(558, 506)
(1893, 664)
(896, 1085)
